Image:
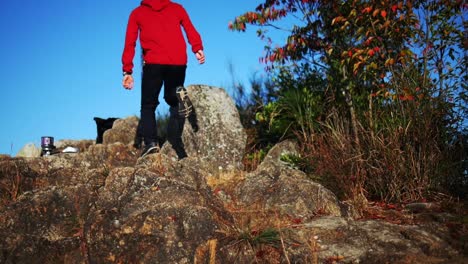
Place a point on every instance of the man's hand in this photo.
(127, 82)
(200, 56)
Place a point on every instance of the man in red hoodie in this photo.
(159, 25)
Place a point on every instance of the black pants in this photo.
(155, 76)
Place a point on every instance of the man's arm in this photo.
(131, 37)
(193, 36)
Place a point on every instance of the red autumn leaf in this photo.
(368, 41)
(406, 97)
(367, 10)
(394, 8)
(383, 13)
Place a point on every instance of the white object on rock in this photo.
(70, 150)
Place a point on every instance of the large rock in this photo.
(336, 240)
(73, 208)
(29, 150)
(44, 226)
(277, 186)
(141, 217)
(221, 139)
(123, 131)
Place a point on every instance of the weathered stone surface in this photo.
(82, 145)
(123, 131)
(145, 218)
(111, 155)
(44, 226)
(20, 175)
(30, 150)
(165, 206)
(221, 139)
(277, 186)
(371, 242)
(274, 156)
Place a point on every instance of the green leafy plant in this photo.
(294, 161)
(253, 159)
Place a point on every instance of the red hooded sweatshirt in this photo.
(159, 24)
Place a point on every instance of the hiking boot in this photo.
(185, 105)
(150, 149)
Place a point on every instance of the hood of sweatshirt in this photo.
(156, 5)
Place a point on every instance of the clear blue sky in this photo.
(61, 63)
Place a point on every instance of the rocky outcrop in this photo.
(145, 216)
(123, 131)
(220, 139)
(102, 210)
(107, 205)
(273, 182)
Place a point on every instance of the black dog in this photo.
(102, 126)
